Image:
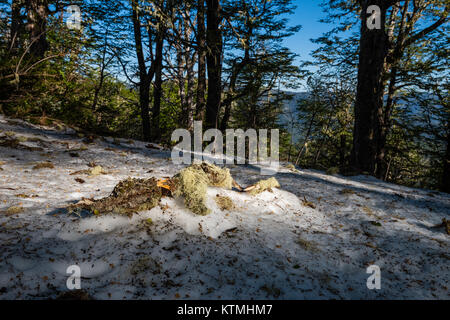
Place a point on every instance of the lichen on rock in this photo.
(192, 184)
(129, 196)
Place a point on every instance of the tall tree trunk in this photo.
(384, 118)
(144, 78)
(446, 173)
(180, 58)
(189, 58)
(191, 107)
(37, 12)
(214, 63)
(390, 70)
(16, 23)
(157, 88)
(372, 121)
(369, 94)
(201, 53)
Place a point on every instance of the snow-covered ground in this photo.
(311, 239)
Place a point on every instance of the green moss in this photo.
(129, 196)
(264, 185)
(192, 184)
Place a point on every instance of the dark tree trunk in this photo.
(144, 101)
(384, 119)
(37, 12)
(384, 116)
(144, 78)
(446, 173)
(16, 23)
(369, 95)
(214, 63)
(157, 88)
(201, 52)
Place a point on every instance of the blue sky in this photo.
(307, 14)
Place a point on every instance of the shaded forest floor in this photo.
(311, 239)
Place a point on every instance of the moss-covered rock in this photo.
(192, 184)
(129, 196)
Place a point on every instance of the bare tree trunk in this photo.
(157, 88)
(385, 124)
(144, 79)
(16, 23)
(384, 116)
(189, 58)
(201, 53)
(180, 58)
(446, 173)
(190, 94)
(214, 60)
(369, 94)
(372, 121)
(37, 12)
